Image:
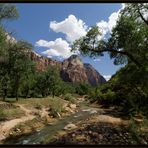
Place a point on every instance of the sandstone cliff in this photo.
(71, 70)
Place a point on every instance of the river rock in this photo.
(17, 130)
(70, 126)
(68, 109)
(72, 106)
(2, 137)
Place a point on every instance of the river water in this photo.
(46, 134)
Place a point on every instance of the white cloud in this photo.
(72, 27)
(97, 60)
(107, 26)
(58, 48)
(107, 77)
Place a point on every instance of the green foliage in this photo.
(6, 114)
(82, 88)
(69, 97)
(128, 41)
(8, 11)
(127, 44)
(67, 88)
(88, 45)
(49, 82)
(56, 108)
(94, 94)
(106, 98)
(138, 130)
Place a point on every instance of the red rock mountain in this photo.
(71, 70)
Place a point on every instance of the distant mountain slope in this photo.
(71, 70)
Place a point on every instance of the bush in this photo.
(95, 95)
(105, 98)
(83, 89)
(6, 114)
(69, 97)
(56, 107)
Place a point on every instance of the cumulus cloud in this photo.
(57, 48)
(107, 26)
(107, 77)
(72, 27)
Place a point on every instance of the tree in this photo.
(128, 40)
(54, 80)
(29, 79)
(8, 11)
(41, 84)
(138, 11)
(127, 44)
(19, 63)
(49, 82)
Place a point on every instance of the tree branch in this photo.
(142, 16)
(131, 57)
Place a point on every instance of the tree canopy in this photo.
(128, 41)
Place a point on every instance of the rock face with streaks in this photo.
(74, 70)
(71, 70)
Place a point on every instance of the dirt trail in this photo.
(6, 126)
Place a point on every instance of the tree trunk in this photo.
(27, 92)
(53, 93)
(16, 89)
(16, 94)
(4, 94)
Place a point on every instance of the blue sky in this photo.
(56, 26)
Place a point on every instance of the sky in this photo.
(52, 28)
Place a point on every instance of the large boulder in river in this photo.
(70, 126)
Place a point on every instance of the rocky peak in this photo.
(71, 70)
(74, 60)
(93, 76)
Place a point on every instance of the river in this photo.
(46, 134)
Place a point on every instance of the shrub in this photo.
(69, 97)
(6, 114)
(56, 107)
(83, 89)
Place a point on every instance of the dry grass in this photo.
(41, 102)
(12, 113)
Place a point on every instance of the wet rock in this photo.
(65, 105)
(138, 120)
(2, 137)
(11, 133)
(99, 133)
(81, 137)
(70, 126)
(72, 106)
(69, 110)
(25, 141)
(58, 114)
(17, 130)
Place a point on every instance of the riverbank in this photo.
(36, 113)
(81, 123)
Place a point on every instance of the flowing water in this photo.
(46, 134)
